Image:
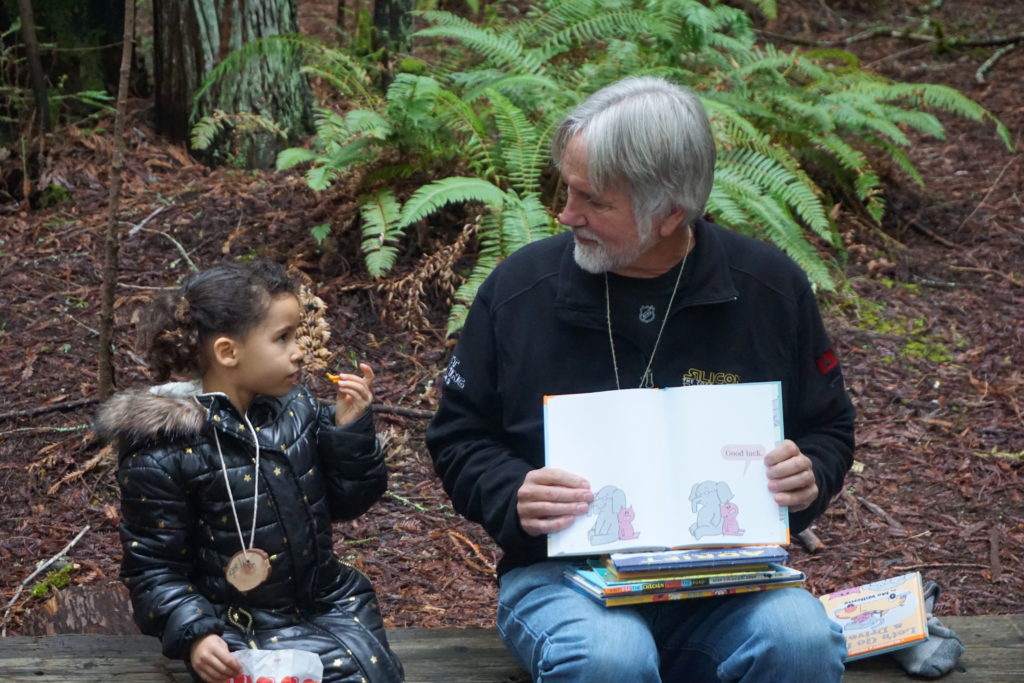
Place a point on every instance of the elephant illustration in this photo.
(706, 499)
(607, 503)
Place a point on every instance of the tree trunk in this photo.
(28, 31)
(111, 242)
(192, 36)
(393, 21)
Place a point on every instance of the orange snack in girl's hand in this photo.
(334, 378)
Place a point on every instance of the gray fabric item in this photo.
(938, 655)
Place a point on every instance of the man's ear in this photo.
(225, 352)
(667, 225)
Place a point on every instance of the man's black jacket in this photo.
(744, 312)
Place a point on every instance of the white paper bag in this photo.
(278, 666)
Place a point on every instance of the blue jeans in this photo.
(558, 634)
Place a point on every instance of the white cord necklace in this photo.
(250, 566)
(647, 378)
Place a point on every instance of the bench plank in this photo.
(995, 652)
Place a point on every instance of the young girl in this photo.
(229, 485)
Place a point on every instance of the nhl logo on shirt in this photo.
(646, 313)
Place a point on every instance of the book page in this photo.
(617, 441)
(679, 467)
(720, 435)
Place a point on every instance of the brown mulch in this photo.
(933, 348)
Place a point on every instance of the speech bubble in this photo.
(745, 452)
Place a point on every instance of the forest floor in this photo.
(931, 335)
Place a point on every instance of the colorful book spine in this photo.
(612, 585)
(607, 565)
(686, 559)
(642, 598)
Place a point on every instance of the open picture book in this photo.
(670, 468)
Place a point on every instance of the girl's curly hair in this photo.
(228, 299)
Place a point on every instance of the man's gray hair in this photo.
(654, 135)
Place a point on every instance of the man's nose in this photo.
(570, 215)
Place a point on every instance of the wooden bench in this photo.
(995, 652)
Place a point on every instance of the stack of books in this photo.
(640, 577)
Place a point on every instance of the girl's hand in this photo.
(355, 394)
(212, 660)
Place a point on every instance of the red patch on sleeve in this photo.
(827, 361)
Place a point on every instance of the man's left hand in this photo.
(790, 477)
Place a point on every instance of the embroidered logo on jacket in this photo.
(452, 376)
(697, 376)
(828, 361)
(646, 313)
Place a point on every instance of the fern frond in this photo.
(518, 142)
(775, 180)
(601, 27)
(773, 220)
(945, 98)
(467, 125)
(207, 128)
(731, 129)
(848, 156)
(341, 70)
(900, 158)
(339, 158)
(381, 231)
(856, 115)
(523, 220)
(767, 8)
(526, 90)
(465, 294)
(502, 51)
(546, 19)
(293, 156)
(457, 189)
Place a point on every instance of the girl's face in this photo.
(269, 355)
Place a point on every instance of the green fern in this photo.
(439, 193)
(382, 231)
(787, 123)
(501, 51)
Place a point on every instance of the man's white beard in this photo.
(596, 258)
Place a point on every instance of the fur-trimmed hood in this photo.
(135, 415)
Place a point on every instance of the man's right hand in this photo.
(550, 500)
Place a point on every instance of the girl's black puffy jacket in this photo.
(179, 531)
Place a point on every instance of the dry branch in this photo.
(39, 410)
(40, 568)
(105, 383)
(896, 526)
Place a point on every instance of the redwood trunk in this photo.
(192, 36)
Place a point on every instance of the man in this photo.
(640, 292)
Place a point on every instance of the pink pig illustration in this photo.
(730, 523)
(626, 517)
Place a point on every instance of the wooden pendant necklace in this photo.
(249, 567)
(647, 378)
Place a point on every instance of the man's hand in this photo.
(550, 500)
(212, 660)
(790, 476)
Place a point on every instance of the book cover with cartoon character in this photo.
(881, 616)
